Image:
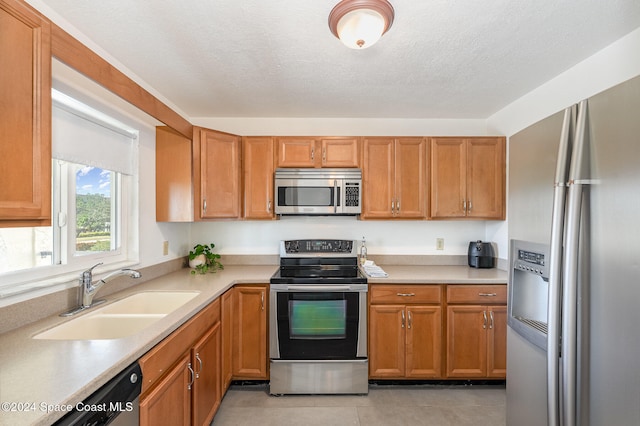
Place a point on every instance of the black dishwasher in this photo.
(115, 403)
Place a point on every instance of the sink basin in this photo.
(122, 318)
(150, 302)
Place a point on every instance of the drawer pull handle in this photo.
(487, 294)
(409, 319)
(405, 294)
(484, 325)
(402, 323)
(491, 317)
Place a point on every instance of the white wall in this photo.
(612, 65)
(343, 126)
(383, 237)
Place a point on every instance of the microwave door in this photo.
(307, 196)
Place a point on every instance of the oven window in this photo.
(317, 319)
(299, 196)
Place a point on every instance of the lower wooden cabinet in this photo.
(169, 401)
(181, 375)
(227, 338)
(405, 340)
(476, 334)
(250, 357)
(206, 387)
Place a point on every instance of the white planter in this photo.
(198, 260)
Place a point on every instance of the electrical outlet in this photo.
(165, 248)
(439, 243)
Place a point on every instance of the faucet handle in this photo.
(88, 274)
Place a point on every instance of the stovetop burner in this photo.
(318, 262)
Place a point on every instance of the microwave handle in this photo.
(335, 196)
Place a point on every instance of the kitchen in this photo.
(257, 238)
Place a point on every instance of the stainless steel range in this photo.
(318, 319)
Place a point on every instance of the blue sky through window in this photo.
(93, 180)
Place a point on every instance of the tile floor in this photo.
(384, 405)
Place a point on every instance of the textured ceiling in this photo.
(277, 58)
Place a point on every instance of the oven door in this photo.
(316, 322)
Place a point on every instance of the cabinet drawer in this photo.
(159, 360)
(477, 294)
(405, 294)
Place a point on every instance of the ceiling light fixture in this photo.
(360, 23)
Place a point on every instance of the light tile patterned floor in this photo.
(384, 405)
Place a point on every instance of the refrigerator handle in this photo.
(555, 266)
(570, 347)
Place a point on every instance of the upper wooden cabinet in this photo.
(25, 133)
(394, 178)
(216, 160)
(317, 152)
(258, 169)
(468, 178)
(174, 178)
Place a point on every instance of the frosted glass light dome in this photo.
(360, 23)
(360, 28)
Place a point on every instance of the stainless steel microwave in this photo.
(318, 191)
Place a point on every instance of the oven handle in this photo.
(320, 288)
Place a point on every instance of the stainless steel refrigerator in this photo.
(573, 342)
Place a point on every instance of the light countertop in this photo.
(39, 377)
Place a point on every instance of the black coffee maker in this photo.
(481, 255)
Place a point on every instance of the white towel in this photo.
(373, 270)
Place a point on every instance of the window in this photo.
(93, 177)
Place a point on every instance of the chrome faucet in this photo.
(88, 288)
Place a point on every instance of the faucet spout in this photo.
(89, 288)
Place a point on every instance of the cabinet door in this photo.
(297, 152)
(25, 133)
(339, 152)
(486, 178)
(448, 177)
(219, 175)
(227, 339)
(250, 332)
(378, 178)
(467, 341)
(257, 154)
(497, 342)
(174, 196)
(170, 401)
(387, 341)
(206, 394)
(410, 177)
(424, 341)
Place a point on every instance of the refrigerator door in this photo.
(608, 347)
(532, 166)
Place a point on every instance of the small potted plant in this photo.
(202, 259)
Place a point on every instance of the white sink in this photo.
(150, 302)
(122, 318)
